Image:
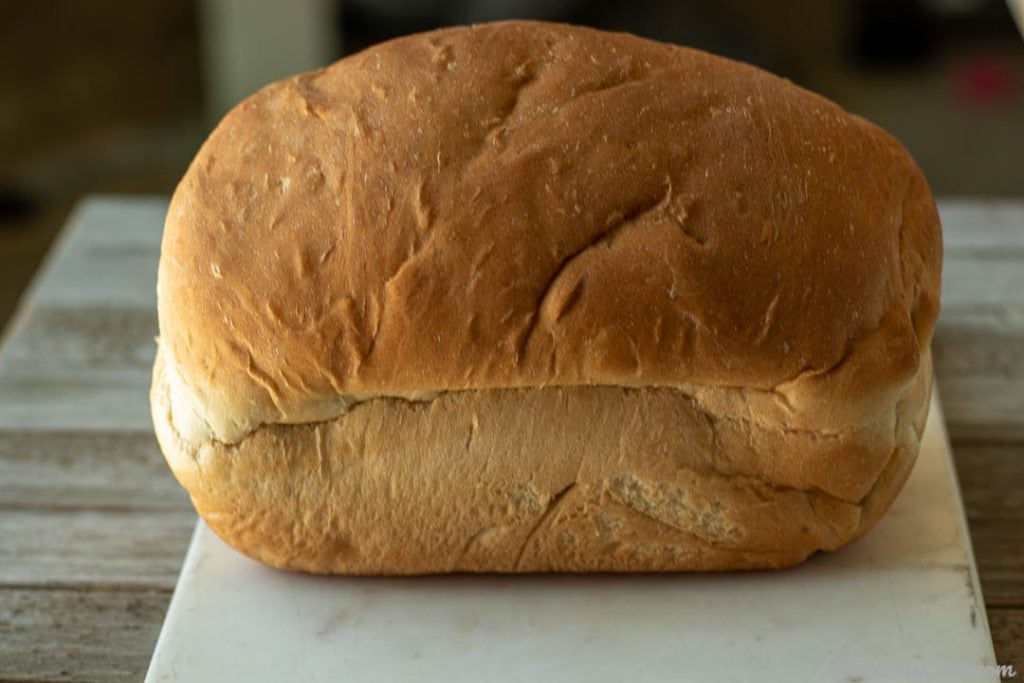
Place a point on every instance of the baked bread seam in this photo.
(192, 447)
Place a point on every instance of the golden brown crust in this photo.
(528, 297)
(527, 204)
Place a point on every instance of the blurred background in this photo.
(117, 95)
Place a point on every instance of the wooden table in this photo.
(93, 527)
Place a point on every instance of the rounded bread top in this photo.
(525, 204)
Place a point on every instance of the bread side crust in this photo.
(569, 479)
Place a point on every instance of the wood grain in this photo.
(79, 401)
(84, 368)
(1007, 626)
(979, 347)
(107, 256)
(983, 407)
(78, 635)
(979, 342)
(55, 339)
(112, 550)
(86, 470)
(995, 515)
(982, 225)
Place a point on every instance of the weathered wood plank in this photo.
(76, 401)
(992, 485)
(992, 480)
(46, 470)
(58, 635)
(982, 282)
(78, 356)
(86, 368)
(53, 340)
(979, 362)
(997, 551)
(1007, 626)
(111, 549)
(983, 407)
(986, 225)
(107, 256)
(979, 342)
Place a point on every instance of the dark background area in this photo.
(117, 95)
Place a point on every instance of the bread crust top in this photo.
(525, 204)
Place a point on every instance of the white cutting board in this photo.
(901, 604)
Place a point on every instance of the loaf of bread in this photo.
(525, 297)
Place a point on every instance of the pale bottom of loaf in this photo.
(569, 479)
